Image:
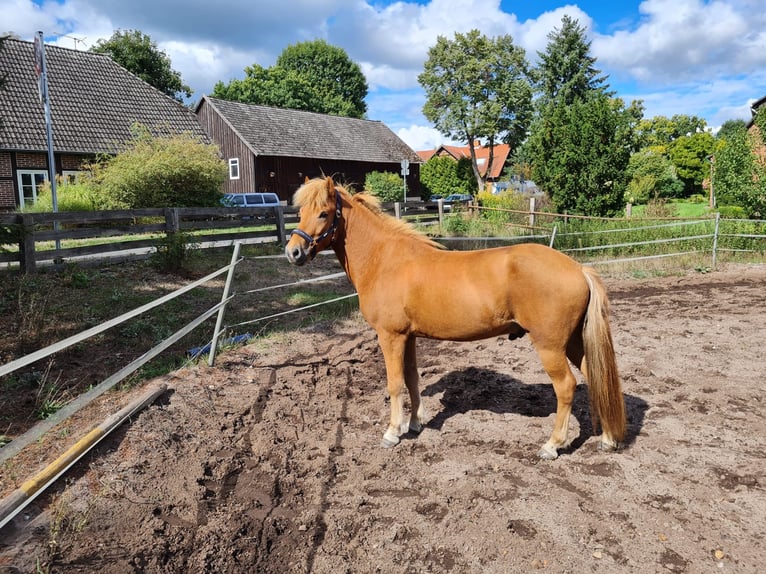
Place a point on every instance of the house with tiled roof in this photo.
(274, 149)
(93, 104)
(499, 157)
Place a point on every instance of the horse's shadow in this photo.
(474, 389)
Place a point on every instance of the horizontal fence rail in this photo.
(48, 238)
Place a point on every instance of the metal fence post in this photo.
(222, 310)
(715, 237)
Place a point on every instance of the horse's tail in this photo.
(606, 400)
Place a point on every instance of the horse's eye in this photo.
(323, 215)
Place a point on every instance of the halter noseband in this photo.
(330, 232)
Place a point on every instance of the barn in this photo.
(272, 149)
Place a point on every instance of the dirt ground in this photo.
(270, 461)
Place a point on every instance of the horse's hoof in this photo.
(416, 427)
(390, 440)
(608, 446)
(548, 453)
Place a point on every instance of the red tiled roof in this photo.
(500, 156)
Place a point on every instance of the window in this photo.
(234, 168)
(70, 176)
(29, 182)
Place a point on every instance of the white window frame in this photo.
(30, 172)
(70, 176)
(233, 168)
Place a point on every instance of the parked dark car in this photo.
(456, 199)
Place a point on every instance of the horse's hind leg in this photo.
(412, 379)
(393, 347)
(564, 384)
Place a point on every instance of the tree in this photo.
(731, 128)
(567, 72)
(582, 138)
(312, 76)
(137, 53)
(331, 72)
(740, 168)
(651, 175)
(443, 175)
(478, 88)
(689, 154)
(659, 132)
(169, 171)
(586, 147)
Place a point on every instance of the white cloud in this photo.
(683, 40)
(700, 57)
(421, 138)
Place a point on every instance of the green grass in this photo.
(684, 209)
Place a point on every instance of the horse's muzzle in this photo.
(296, 254)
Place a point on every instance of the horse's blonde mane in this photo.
(313, 194)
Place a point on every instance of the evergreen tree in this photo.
(582, 138)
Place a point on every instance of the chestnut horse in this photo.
(409, 286)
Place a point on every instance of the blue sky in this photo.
(696, 57)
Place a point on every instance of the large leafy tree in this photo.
(660, 131)
(478, 88)
(689, 154)
(740, 167)
(582, 139)
(139, 54)
(313, 76)
(651, 175)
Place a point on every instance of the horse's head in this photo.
(320, 214)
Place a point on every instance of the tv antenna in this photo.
(75, 39)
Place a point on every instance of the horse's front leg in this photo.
(393, 346)
(412, 380)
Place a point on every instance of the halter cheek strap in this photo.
(329, 232)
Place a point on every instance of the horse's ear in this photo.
(306, 179)
(330, 185)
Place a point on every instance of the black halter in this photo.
(329, 232)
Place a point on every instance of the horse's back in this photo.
(468, 295)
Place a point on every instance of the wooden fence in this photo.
(53, 238)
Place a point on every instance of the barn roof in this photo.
(269, 131)
(94, 102)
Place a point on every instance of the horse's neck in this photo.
(364, 238)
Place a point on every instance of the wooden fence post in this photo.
(281, 232)
(398, 210)
(532, 211)
(172, 220)
(27, 243)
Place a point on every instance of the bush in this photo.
(174, 171)
(174, 252)
(732, 212)
(385, 185)
(443, 175)
(76, 196)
